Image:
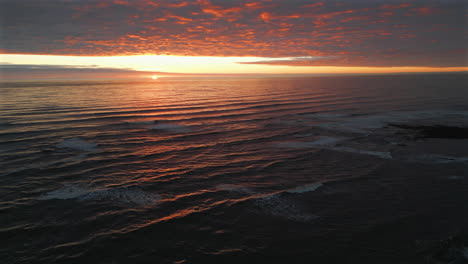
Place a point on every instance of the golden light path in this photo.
(201, 65)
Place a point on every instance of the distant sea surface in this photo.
(279, 170)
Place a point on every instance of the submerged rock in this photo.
(435, 131)
(453, 250)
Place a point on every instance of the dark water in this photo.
(300, 170)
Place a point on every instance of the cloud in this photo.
(290, 61)
(355, 32)
(33, 71)
(384, 58)
(8, 67)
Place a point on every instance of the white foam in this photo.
(292, 144)
(65, 193)
(233, 188)
(305, 135)
(124, 195)
(305, 188)
(380, 154)
(440, 115)
(171, 127)
(434, 158)
(77, 144)
(359, 125)
(283, 207)
(323, 141)
(365, 124)
(450, 159)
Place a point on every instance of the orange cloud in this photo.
(425, 11)
(395, 6)
(240, 28)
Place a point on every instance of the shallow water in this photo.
(229, 170)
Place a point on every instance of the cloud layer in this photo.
(339, 33)
(33, 71)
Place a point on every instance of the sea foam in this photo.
(66, 192)
(364, 124)
(233, 188)
(285, 207)
(359, 125)
(330, 143)
(433, 158)
(323, 141)
(305, 188)
(125, 195)
(380, 154)
(77, 144)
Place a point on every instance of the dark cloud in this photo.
(347, 33)
(383, 58)
(6, 68)
(32, 71)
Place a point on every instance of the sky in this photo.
(141, 38)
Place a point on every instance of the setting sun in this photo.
(154, 77)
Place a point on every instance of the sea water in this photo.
(259, 170)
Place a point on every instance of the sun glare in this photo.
(154, 77)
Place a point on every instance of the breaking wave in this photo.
(233, 188)
(285, 207)
(433, 158)
(77, 144)
(125, 195)
(379, 154)
(305, 188)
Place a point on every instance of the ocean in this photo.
(331, 169)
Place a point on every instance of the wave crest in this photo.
(77, 144)
(127, 195)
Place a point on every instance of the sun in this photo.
(154, 77)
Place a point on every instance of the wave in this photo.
(305, 188)
(156, 125)
(433, 158)
(380, 154)
(127, 195)
(171, 127)
(77, 144)
(359, 125)
(326, 116)
(285, 207)
(322, 141)
(365, 124)
(233, 188)
(138, 123)
(329, 143)
(283, 204)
